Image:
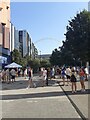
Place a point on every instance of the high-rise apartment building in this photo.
(29, 44)
(16, 39)
(34, 51)
(24, 42)
(26, 46)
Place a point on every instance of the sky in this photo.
(45, 21)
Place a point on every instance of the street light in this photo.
(40, 56)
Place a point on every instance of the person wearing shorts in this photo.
(68, 74)
(73, 81)
(82, 79)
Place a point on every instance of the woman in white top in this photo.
(25, 73)
(44, 77)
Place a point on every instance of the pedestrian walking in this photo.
(30, 77)
(25, 73)
(63, 74)
(44, 77)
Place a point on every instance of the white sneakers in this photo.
(34, 85)
(27, 87)
(74, 91)
(83, 90)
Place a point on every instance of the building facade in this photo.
(24, 42)
(26, 46)
(4, 31)
(14, 38)
(34, 51)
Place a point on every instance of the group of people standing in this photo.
(68, 75)
(7, 75)
(72, 75)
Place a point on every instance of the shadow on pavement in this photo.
(41, 95)
(22, 84)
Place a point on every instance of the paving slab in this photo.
(79, 99)
(40, 102)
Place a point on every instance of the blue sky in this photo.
(45, 21)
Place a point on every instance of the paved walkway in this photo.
(79, 100)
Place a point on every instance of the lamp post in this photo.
(40, 56)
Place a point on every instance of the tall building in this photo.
(23, 40)
(4, 23)
(34, 51)
(26, 46)
(4, 31)
(29, 44)
(14, 38)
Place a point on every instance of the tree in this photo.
(55, 57)
(16, 56)
(75, 48)
(77, 36)
(34, 63)
(45, 63)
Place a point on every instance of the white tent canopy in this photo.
(13, 65)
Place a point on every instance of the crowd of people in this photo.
(68, 75)
(7, 75)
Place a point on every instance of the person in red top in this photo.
(82, 79)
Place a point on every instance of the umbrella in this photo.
(13, 65)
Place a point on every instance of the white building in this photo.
(14, 38)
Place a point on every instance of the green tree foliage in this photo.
(34, 63)
(75, 48)
(55, 57)
(16, 56)
(45, 63)
(27, 61)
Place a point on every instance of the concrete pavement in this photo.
(60, 96)
(79, 100)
